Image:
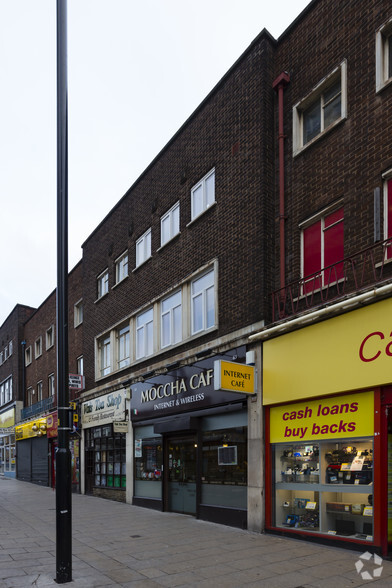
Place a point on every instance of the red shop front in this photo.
(329, 439)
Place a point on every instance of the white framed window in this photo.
(121, 267)
(203, 194)
(30, 396)
(1, 357)
(38, 347)
(39, 391)
(143, 248)
(50, 337)
(28, 355)
(384, 56)
(123, 347)
(80, 366)
(171, 319)
(104, 348)
(78, 313)
(170, 224)
(145, 333)
(203, 302)
(10, 347)
(103, 283)
(6, 352)
(51, 386)
(8, 390)
(2, 394)
(321, 110)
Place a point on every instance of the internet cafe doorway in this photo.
(180, 473)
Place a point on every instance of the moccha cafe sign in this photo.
(191, 388)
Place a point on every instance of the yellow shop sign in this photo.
(339, 417)
(234, 377)
(352, 351)
(35, 428)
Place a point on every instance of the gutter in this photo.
(303, 320)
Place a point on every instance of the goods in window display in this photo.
(321, 485)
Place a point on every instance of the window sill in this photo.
(384, 84)
(299, 150)
(134, 364)
(120, 282)
(201, 214)
(141, 264)
(169, 241)
(101, 297)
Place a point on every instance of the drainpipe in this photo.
(279, 85)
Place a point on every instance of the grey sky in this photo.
(136, 71)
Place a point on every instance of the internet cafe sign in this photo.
(104, 409)
(188, 388)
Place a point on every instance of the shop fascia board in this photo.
(334, 309)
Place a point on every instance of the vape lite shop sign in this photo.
(328, 418)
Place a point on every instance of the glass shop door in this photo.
(181, 467)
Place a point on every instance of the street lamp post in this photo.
(63, 455)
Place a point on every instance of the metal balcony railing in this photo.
(367, 268)
(38, 408)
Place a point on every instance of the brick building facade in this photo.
(280, 182)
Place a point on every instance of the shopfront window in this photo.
(148, 463)
(224, 467)
(325, 486)
(108, 456)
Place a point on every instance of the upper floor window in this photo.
(122, 267)
(30, 396)
(79, 366)
(38, 347)
(171, 320)
(78, 313)
(384, 56)
(1, 357)
(321, 110)
(104, 355)
(145, 334)
(203, 302)
(123, 347)
(143, 248)
(28, 355)
(103, 283)
(6, 391)
(322, 246)
(203, 194)
(10, 348)
(50, 337)
(39, 391)
(388, 211)
(6, 352)
(170, 224)
(51, 386)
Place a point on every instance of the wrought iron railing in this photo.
(367, 268)
(38, 408)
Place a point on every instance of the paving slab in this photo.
(119, 545)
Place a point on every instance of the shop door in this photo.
(181, 452)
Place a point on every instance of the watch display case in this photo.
(325, 487)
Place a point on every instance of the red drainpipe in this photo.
(280, 84)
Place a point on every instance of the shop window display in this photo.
(148, 466)
(109, 456)
(325, 487)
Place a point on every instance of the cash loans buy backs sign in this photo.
(326, 418)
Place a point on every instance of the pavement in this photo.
(116, 544)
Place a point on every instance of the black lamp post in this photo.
(63, 455)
